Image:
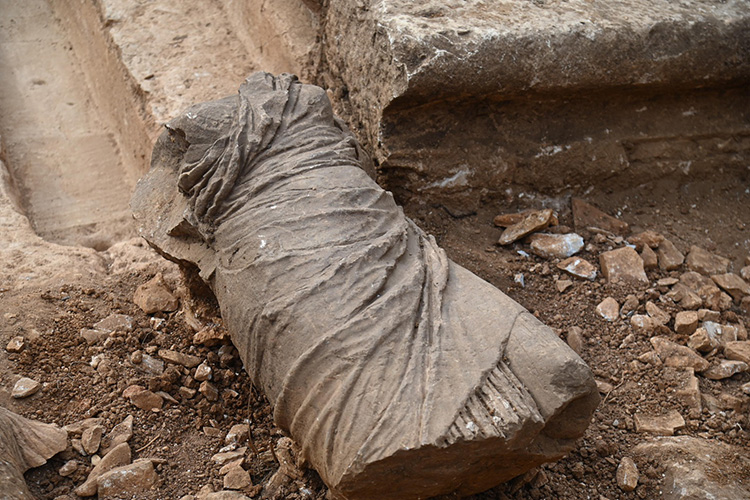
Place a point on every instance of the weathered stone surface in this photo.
(745, 273)
(154, 296)
(732, 284)
(266, 302)
(179, 358)
(642, 324)
(211, 336)
(118, 456)
(695, 281)
(629, 306)
(669, 257)
(127, 481)
(91, 438)
(586, 215)
(713, 298)
(678, 356)
(706, 263)
(578, 267)
(662, 425)
(143, 398)
(228, 456)
(687, 389)
(650, 239)
(506, 220)
(532, 221)
(120, 433)
(25, 444)
(555, 246)
(701, 341)
(575, 339)
(115, 322)
(685, 322)
(687, 298)
(16, 344)
(237, 434)
(68, 468)
(209, 390)
(25, 387)
(691, 467)
(738, 350)
(623, 265)
(720, 333)
(608, 309)
(725, 369)
(627, 474)
(237, 478)
(202, 372)
(563, 285)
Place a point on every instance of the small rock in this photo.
(228, 456)
(687, 390)
(608, 309)
(669, 257)
(746, 388)
(127, 481)
(120, 433)
(143, 398)
(714, 298)
(154, 296)
(687, 298)
(505, 220)
(532, 222)
(627, 474)
(186, 392)
(92, 336)
(649, 258)
(704, 262)
(575, 339)
(629, 306)
(92, 438)
(725, 369)
(230, 465)
(695, 281)
(701, 341)
(202, 372)
(686, 322)
(237, 478)
(114, 323)
(238, 434)
(649, 239)
(25, 387)
(678, 356)
(150, 364)
(604, 387)
(555, 246)
(209, 390)
(118, 456)
(667, 281)
(721, 333)
(623, 265)
(661, 425)
(211, 336)
(650, 358)
(16, 344)
(745, 305)
(68, 468)
(738, 351)
(179, 358)
(578, 267)
(77, 428)
(642, 324)
(745, 273)
(732, 284)
(708, 315)
(563, 285)
(586, 215)
(657, 314)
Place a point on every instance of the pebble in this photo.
(16, 344)
(687, 390)
(118, 456)
(608, 309)
(678, 356)
(154, 296)
(202, 372)
(237, 478)
(745, 305)
(211, 336)
(648, 238)
(143, 398)
(746, 388)
(701, 341)
(629, 306)
(732, 284)
(721, 333)
(578, 267)
(695, 281)
(575, 339)
(532, 222)
(661, 425)
(586, 215)
(714, 298)
(623, 265)
(25, 387)
(642, 324)
(179, 358)
(563, 285)
(120, 433)
(505, 220)
(649, 258)
(669, 257)
(228, 456)
(667, 281)
(91, 438)
(708, 315)
(209, 390)
(555, 246)
(704, 262)
(68, 468)
(685, 322)
(657, 314)
(92, 336)
(627, 474)
(150, 364)
(114, 323)
(604, 387)
(725, 369)
(77, 428)
(745, 273)
(687, 298)
(186, 392)
(127, 481)
(738, 351)
(238, 434)
(650, 358)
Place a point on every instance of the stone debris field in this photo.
(609, 195)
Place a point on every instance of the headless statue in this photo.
(398, 373)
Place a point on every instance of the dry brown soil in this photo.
(75, 192)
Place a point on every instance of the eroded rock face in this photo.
(398, 373)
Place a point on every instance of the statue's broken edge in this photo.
(398, 373)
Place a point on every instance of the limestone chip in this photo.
(738, 350)
(555, 246)
(532, 222)
(586, 215)
(733, 285)
(578, 267)
(669, 257)
(623, 265)
(662, 425)
(627, 474)
(154, 296)
(706, 263)
(608, 309)
(685, 322)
